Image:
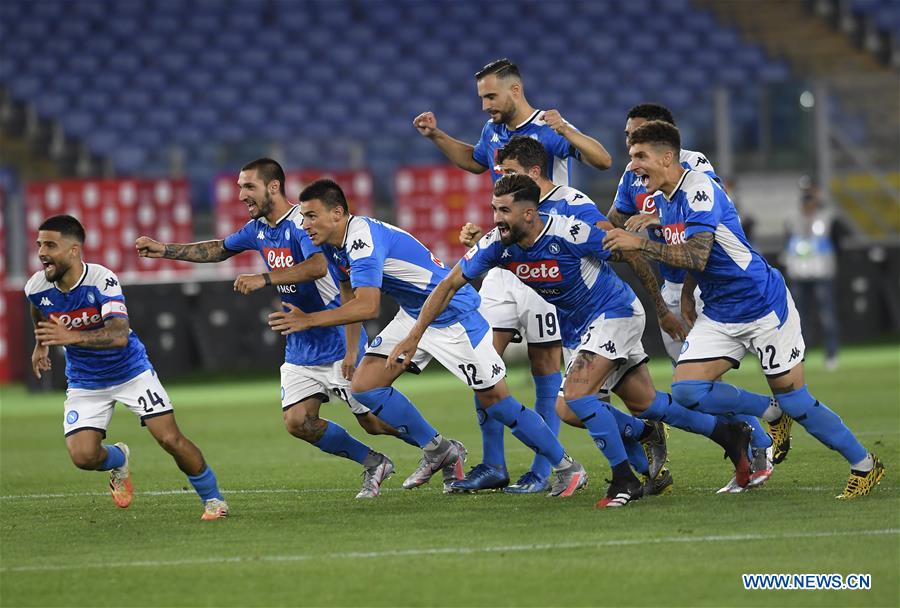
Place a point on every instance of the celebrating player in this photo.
(377, 257)
(81, 307)
(635, 210)
(319, 362)
(745, 305)
(562, 259)
(512, 310)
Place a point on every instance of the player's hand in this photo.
(556, 122)
(54, 333)
(248, 283)
(148, 248)
(426, 124)
(641, 222)
(672, 326)
(293, 320)
(40, 360)
(688, 309)
(469, 234)
(621, 240)
(348, 365)
(402, 355)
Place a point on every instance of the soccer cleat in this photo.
(120, 481)
(655, 446)
(374, 476)
(620, 493)
(780, 430)
(529, 483)
(731, 487)
(214, 508)
(482, 477)
(861, 483)
(567, 480)
(450, 461)
(661, 484)
(761, 466)
(736, 449)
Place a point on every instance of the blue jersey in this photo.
(632, 198)
(96, 296)
(376, 254)
(559, 151)
(566, 266)
(563, 200)
(737, 285)
(284, 245)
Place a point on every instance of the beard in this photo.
(55, 272)
(512, 237)
(264, 207)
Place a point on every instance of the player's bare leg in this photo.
(88, 453)
(191, 462)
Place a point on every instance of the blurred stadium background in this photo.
(136, 116)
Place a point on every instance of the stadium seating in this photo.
(132, 79)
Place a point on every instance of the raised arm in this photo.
(458, 152)
(204, 251)
(592, 151)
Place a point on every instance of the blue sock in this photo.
(339, 442)
(822, 423)
(527, 427)
(492, 432)
(546, 388)
(718, 398)
(393, 407)
(631, 429)
(206, 484)
(115, 457)
(674, 414)
(601, 426)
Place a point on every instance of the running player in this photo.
(513, 311)
(376, 257)
(526, 156)
(318, 363)
(81, 307)
(745, 305)
(562, 259)
(634, 209)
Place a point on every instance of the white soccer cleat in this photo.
(374, 476)
(120, 481)
(214, 508)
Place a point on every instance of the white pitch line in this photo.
(448, 550)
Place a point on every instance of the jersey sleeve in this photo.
(560, 147)
(585, 240)
(480, 154)
(625, 195)
(109, 296)
(484, 255)
(704, 209)
(243, 239)
(366, 252)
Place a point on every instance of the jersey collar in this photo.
(528, 120)
(547, 196)
(347, 231)
(677, 187)
(78, 282)
(283, 217)
(547, 222)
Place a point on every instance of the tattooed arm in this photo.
(616, 217)
(113, 334)
(204, 251)
(645, 274)
(692, 254)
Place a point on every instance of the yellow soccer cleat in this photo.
(780, 431)
(862, 482)
(120, 481)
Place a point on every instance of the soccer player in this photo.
(562, 259)
(634, 208)
(746, 304)
(376, 257)
(513, 311)
(81, 307)
(526, 156)
(319, 362)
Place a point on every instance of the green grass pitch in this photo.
(297, 536)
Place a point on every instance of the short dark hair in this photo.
(327, 191)
(656, 132)
(66, 225)
(522, 188)
(268, 170)
(529, 152)
(652, 111)
(502, 68)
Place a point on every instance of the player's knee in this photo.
(88, 459)
(170, 441)
(544, 360)
(689, 393)
(572, 391)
